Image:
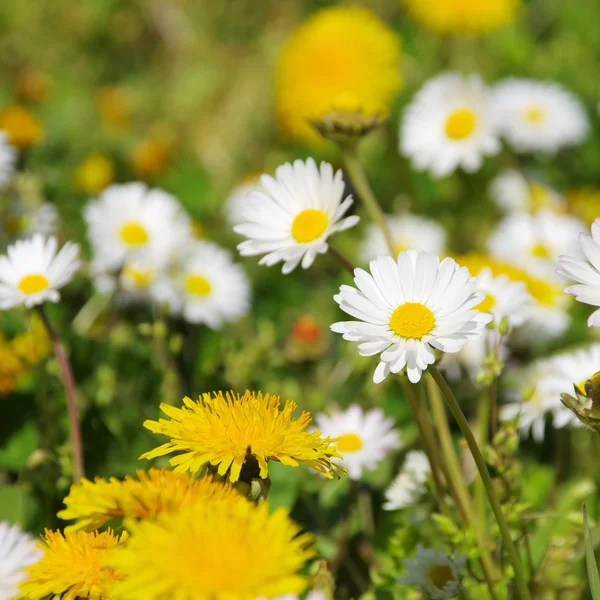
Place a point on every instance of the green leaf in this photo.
(16, 504)
(19, 447)
(590, 559)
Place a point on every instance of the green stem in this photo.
(483, 422)
(360, 182)
(487, 480)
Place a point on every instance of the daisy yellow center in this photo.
(197, 285)
(309, 225)
(538, 194)
(534, 114)
(440, 575)
(139, 277)
(540, 250)
(349, 442)
(412, 320)
(487, 303)
(134, 234)
(32, 284)
(400, 247)
(460, 124)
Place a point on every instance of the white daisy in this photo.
(536, 241)
(23, 220)
(363, 438)
(409, 307)
(291, 219)
(130, 221)
(33, 271)
(408, 231)
(18, 551)
(449, 125)
(409, 485)
(237, 199)
(512, 192)
(8, 158)
(438, 575)
(586, 272)
(209, 289)
(536, 116)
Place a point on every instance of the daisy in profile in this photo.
(585, 271)
(228, 431)
(537, 116)
(8, 159)
(18, 551)
(73, 564)
(449, 125)
(236, 201)
(362, 438)
(23, 220)
(408, 308)
(512, 192)
(227, 550)
(409, 485)
(291, 220)
(137, 279)
(435, 573)
(408, 231)
(129, 221)
(33, 271)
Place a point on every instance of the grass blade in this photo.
(590, 559)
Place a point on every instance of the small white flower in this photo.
(24, 220)
(536, 241)
(409, 307)
(237, 199)
(449, 125)
(438, 575)
(130, 221)
(512, 192)
(33, 271)
(292, 217)
(364, 438)
(537, 116)
(409, 485)
(408, 231)
(586, 272)
(210, 288)
(8, 158)
(18, 551)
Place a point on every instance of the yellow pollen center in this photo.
(412, 320)
(534, 114)
(440, 575)
(349, 442)
(140, 278)
(460, 124)
(197, 285)
(486, 304)
(134, 234)
(309, 225)
(540, 251)
(31, 284)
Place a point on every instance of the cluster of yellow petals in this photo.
(152, 493)
(96, 172)
(73, 565)
(225, 430)
(230, 550)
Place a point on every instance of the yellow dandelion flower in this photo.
(153, 493)
(73, 566)
(95, 173)
(22, 127)
(11, 367)
(343, 58)
(584, 203)
(232, 431)
(216, 551)
(150, 157)
(34, 345)
(463, 16)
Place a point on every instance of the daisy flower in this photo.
(18, 551)
(449, 125)
(409, 485)
(408, 231)
(536, 116)
(137, 278)
(362, 438)
(236, 201)
(437, 574)
(33, 271)
(292, 219)
(8, 158)
(586, 272)
(409, 307)
(512, 192)
(130, 221)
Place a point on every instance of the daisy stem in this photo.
(71, 394)
(342, 259)
(483, 431)
(458, 414)
(360, 182)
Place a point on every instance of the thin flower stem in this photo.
(483, 427)
(487, 481)
(360, 182)
(342, 260)
(71, 394)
